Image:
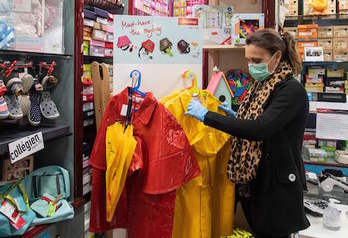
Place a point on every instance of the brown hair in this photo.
(272, 41)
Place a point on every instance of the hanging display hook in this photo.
(191, 76)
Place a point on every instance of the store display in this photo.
(244, 25)
(315, 207)
(332, 218)
(329, 181)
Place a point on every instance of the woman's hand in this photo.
(196, 109)
(227, 109)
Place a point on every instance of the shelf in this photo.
(324, 20)
(27, 54)
(223, 47)
(113, 9)
(89, 58)
(332, 164)
(11, 133)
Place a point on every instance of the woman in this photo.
(267, 136)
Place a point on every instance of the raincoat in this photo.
(163, 161)
(194, 208)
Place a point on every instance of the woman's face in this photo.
(257, 55)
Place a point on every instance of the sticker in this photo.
(25, 146)
(124, 110)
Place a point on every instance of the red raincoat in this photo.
(162, 162)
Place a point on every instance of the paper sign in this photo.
(25, 146)
(332, 126)
(313, 54)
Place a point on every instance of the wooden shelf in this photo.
(11, 133)
(332, 164)
(89, 59)
(223, 47)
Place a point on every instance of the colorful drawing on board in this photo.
(184, 47)
(248, 27)
(146, 49)
(239, 83)
(124, 43)
(166, 46)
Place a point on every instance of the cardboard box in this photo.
(292, 30)
(326, 44)
(292, 8)
(302, 44)
(328, 55)
(335, 73)
(340, 31)
(307, 31)
(325, 32)
(340, 55)
(314, 87)
(311, 7)
(340, 44)
(343, 6)
(244, 25)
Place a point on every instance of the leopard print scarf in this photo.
(246, 154)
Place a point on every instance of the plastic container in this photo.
(332, 218)
(96, 51)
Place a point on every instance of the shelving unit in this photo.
(223, 47)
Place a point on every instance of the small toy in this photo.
(239, 83)
(166, 46)
(220, 88)
(148, 47)
(183, 47)
(124, 43)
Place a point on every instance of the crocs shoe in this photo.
(15, 86)
(24, 101)
(14, 108)
(49, 82)
(47, 106)
(34, 115)
(27, 83)
(3, 105)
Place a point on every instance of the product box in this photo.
(315, 75)
(307, 31)
(96, 51)
(99, 35)
(38, 25)
(340, 44)
(292, 30)
(11, 172)
(244, 25)
(302, 44)
(290, 6)
(340, 31)
(325, 32)
(314, 87)
(315, 7)
(340, 55)
(343, 6)
(328, 55)
(217, 23)
(335, 73)
(326, 44)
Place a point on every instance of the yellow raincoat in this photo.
(120, 147)
(194, 209)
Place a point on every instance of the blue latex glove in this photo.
(227, 109)
(196, 109)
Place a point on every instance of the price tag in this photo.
(26, 146)
(124, 110)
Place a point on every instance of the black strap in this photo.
(58, 184)
(35, 187)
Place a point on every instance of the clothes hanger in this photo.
(135, 75)
(190, 75)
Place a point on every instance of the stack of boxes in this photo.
(340, 51)
(291, 6)
(87, 96)
(98, 33)
(307, 36)
(325, 35)
(315, 79)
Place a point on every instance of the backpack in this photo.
(16, 195)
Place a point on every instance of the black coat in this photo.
(275, 207)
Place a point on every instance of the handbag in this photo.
(44, 186)
(14, 202)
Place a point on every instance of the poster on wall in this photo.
(161, 48)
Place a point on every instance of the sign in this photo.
(161, 48)
(332, 126)
(25, 146)
(313, 54)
